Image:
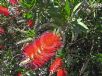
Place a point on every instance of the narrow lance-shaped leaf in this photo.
(28, 3)
(82, 24)
(67, 7)
(76, 7)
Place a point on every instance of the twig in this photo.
(84, 67)
(17, 29)
(24, 41)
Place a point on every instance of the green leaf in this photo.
(99, 55)
(31, 33)
(76, 7)
(27, 15)
(60, 53)
(67, 7)
(82, 24)
(99, 58)
(28, 3)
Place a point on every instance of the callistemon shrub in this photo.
(41, 50)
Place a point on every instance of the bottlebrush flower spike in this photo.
(62, 72)
(56, 65)
(50, 42)
(40, 60)
(32, 49)
(4, 11)
(39, 52)
(2, 31)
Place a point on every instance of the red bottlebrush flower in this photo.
(56, 65)
(32, 49)
(49, 45)
(13, 2)
(19, 74)
(50, 42)
(4, 10)
(62, 72)
(30, 23)
(40, 60)
(2, 31)
(38, 54)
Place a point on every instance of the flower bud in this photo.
(62, 72)
(4, 11)
(13, 2)
(30, 23)
(19, 74)
(56, 65)
(2, 31)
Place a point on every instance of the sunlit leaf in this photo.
(81, 23)
(28, 3)
(99, 58)
(76, 7)
(31, 33)
(67, 7)
(27, 15)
